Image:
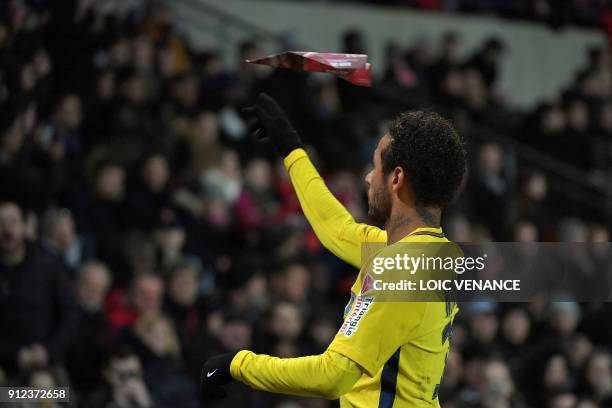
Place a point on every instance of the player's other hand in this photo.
(267, 120)
(216, 374)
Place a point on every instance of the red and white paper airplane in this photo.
(353, 68)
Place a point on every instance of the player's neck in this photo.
(402, 223)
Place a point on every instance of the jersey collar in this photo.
(432, 231)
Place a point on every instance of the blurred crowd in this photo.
(143, 231)
(556, 13)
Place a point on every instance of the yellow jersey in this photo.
(401, 346)
(387, 353)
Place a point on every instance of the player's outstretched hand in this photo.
(267, 120)
(216, 374)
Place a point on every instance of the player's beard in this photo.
(379, 206)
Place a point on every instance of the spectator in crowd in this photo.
(514, 340)
(85, 356)
(144, 297)
(155, 342)
(65, 127)
(223, 181)
(59, 236)
(224, 332)
(285, 326)
(169, 237)
(447, 60)
(499, 389)
(484, 325)
(184, 282)
(40, 377)
(258, 204)
(152, 196)
(35, 288)
(532, 206)
(123, 386)
(599, 377)
(562, 400)
(102, 212)
(489, 187)
(486, 61)
(26, 174)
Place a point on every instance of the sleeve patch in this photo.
(360, 308)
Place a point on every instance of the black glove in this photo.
(267, 120)
(216, 374)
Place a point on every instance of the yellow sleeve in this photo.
(373, 331)
(328, 375)
(334, 225)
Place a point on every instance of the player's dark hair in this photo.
(431, 153)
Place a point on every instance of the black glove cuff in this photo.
(287, 144)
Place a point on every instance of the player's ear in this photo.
(398, 178)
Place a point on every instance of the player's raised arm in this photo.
(333, 224)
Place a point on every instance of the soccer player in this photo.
(394, 353)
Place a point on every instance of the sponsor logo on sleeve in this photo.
(349, 305)
(367, 284)
(360, 308)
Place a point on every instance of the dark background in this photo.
(142, 231)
